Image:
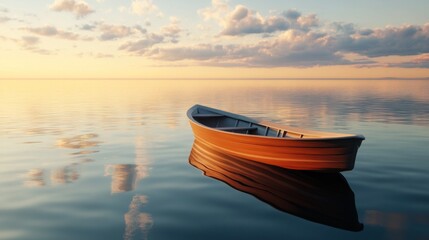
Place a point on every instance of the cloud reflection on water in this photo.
(64, 174)
(37, 177)
(137, 222)
(125, 178)
(79, 141)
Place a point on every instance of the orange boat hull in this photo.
(327, 155)
(320, 154)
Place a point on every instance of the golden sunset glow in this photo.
(212, 39)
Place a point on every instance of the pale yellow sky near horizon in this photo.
(212, 39)
(127, 67)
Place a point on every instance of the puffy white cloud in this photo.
(78, 7)
(243, 21)
(293, 48)
(306, 44)
(144, 7)
(309, 21)
(402, 41)
(298, 49)
(287, 39)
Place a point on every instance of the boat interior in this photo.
(239, 124)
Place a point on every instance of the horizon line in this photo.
(211, 78)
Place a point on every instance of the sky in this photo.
(214, 39)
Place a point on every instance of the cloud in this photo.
(88, 27)
(113, 32)
(292, 49)
(401, 41)
(216, 11)
(168, 33)
(287, 39)
(144, 7)
(292, 14)
(141, 46)
(172, 30)
(110, 32)
(201, 52)
(297, 49)
(307, 22)
(305, 43)
(243, 21)
(421, 61)
(78, 7)
(422, 58)
(30, 43)
(29, 40)
(50, 31)
(4, 19)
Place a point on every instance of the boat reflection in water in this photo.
(324, 198)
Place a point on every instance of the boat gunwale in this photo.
(267, 124)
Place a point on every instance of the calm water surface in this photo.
(115, 160)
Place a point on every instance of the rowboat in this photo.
(273, 144)
(324, 198)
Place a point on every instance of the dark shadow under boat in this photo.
(324, 198)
